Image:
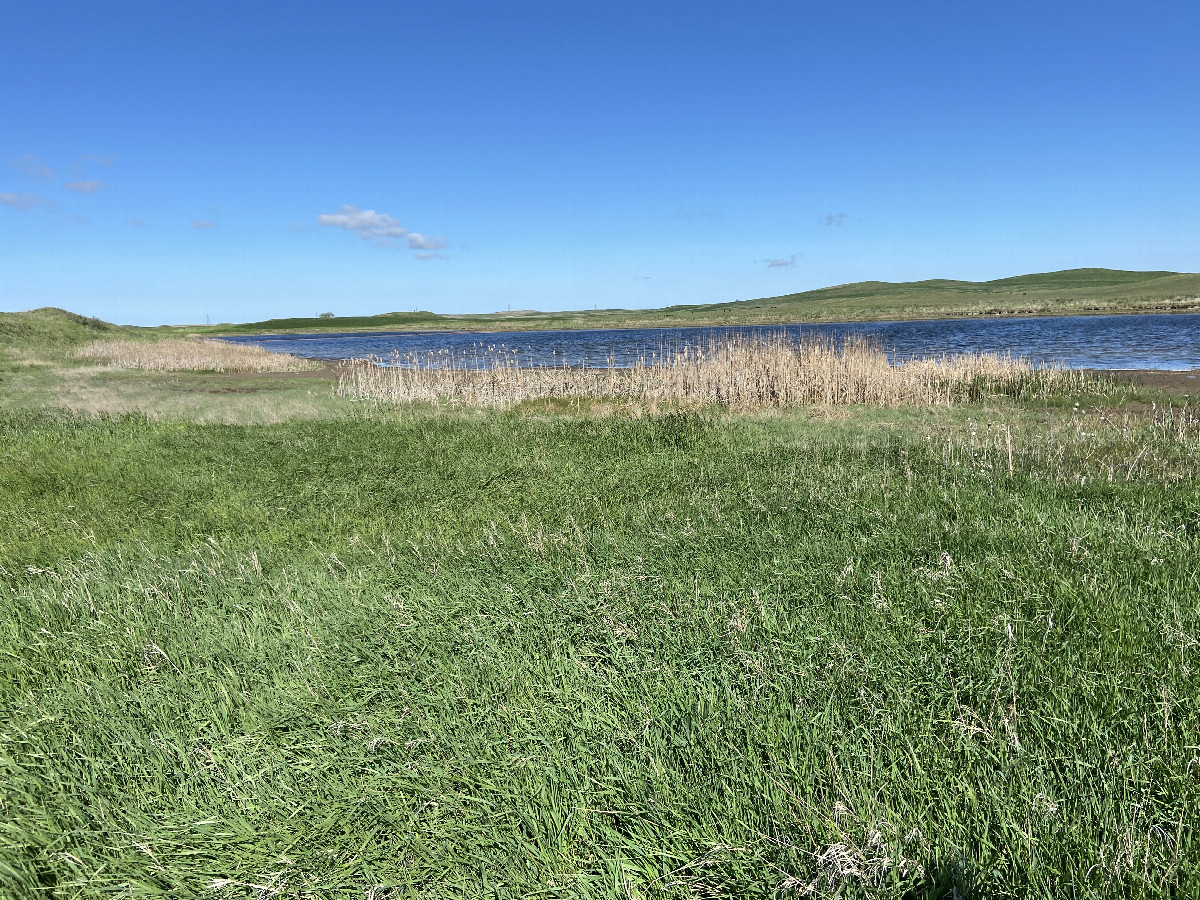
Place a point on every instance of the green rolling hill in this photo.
(1070, 292)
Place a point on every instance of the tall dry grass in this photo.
(197, 355)
(744, 373)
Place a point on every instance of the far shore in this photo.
(522, 324)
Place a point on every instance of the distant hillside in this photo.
(396, 320)
(1070, 292)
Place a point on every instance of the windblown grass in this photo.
(191, 355)
(742, 373)
(676, 656)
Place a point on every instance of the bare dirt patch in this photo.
(1185, 382)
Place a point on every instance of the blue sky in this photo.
(183, 162)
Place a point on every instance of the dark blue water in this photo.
(1099, 342)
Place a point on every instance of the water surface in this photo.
(1161, 341)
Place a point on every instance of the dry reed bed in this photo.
(743, 373)
(196, 355)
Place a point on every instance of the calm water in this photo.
(1100, 342)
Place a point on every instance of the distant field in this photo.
(1072, 292)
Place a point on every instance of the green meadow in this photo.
(1070, 292)
(260, 641)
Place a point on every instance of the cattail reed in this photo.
(192, 355)
(741, 372)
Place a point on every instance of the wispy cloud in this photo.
(79, 167)
(84, 187)
(33, 167)
(136, 222)
(366, 223)
(835, 218)
(26, 202)
(423, 242)
(296, 226)
(383, 230)
(201, 224)
(782, 261)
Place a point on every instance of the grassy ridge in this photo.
(1071, 292)
(674, 656)
(48, 328)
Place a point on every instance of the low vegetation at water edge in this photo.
(741, 372)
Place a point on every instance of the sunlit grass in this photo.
(900, 653)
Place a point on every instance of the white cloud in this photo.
(421, 242)
(84, 187)
(366, 223)
(382, 229)
(201, 224)
(782, 261)
(835, 218)
(25, 202)
(33, 167)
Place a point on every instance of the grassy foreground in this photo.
(1071, 292)
(861, 653)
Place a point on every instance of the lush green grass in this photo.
(512, 655)
(1071, 292)
(49, 329)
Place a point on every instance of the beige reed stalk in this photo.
(192, 355)
(743, 372)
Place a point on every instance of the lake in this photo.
(1166, 341)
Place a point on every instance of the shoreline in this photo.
(949, 317)
(1185, 381)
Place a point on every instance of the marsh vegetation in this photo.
(197, 355)
(742, 372)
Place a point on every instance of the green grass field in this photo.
(1072, 292)
(353, 650)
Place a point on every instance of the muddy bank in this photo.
(1185, 382)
